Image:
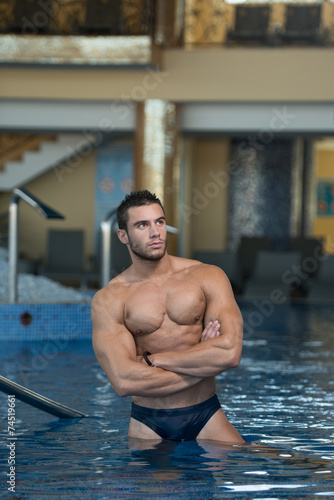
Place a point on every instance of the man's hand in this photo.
(211, 330)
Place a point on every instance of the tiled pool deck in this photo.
(45, 321)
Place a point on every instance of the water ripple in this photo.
(280, 398)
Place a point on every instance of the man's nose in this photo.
(154, 231)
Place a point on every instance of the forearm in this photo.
(138, 379)
(206, 359)
(161, 383)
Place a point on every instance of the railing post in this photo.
(106, 227)
(13, 249)
(106, 250)
(42, 209)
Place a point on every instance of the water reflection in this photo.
(280, 398)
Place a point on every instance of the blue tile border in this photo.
(45, 321)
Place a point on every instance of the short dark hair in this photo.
(135, 199)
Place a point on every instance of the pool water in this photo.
(280, 399)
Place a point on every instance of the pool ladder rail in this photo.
(41, 208)
(37, 400)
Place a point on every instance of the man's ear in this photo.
(123, 236)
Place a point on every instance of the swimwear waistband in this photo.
(179, 411)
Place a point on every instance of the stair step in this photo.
(49, 154)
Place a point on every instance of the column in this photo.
(157, 157)
(169, 22)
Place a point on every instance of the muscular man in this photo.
(163, 329)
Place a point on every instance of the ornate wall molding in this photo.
(78, 50)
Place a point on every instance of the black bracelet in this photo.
(145, 356)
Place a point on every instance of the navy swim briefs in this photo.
(177, 424)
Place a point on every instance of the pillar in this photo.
(157, 158)
(169, 22)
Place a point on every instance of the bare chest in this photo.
(150, 307)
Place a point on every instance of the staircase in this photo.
(12, 146)
(52, 151)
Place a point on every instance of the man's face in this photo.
(146, 231)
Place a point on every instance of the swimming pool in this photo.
(280, 398)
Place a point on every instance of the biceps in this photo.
(230, 319)
(114, 352)
(221, 304)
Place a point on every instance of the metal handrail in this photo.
(44, 210)
(38, 401)
(107, 225)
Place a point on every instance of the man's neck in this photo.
(147, 269)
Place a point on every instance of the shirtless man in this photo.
(163, 329)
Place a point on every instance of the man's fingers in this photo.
(211, 330)
(206, 330)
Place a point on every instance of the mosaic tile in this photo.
(45, 321)
(261, 191)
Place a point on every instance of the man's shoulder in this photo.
(180, 263)
(195, 267)
(113, 291)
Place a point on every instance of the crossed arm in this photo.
(219, 350)
(221, 342)
(115, 350)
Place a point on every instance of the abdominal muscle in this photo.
(193, 395)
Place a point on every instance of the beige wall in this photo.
(218, 74)
(324, 226)
(73, 197)
(207, 197)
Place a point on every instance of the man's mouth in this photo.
(156, 244)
